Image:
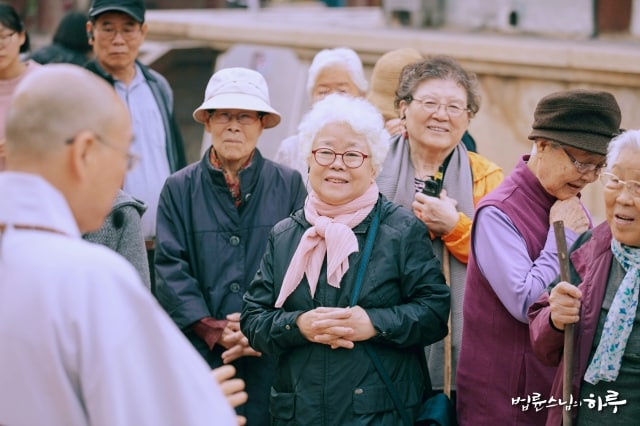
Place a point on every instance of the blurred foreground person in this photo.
(605, 262)
(82, 341)
(299, 307)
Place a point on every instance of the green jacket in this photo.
(404, 295)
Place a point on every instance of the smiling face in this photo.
(556, 171)
(436, 130)
(622, 208)
(337, 184)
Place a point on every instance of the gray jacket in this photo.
(122, 232)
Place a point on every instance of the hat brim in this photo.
(238, 101)
(589, 142)
(96, 12)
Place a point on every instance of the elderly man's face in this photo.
(117, 38)
(557, 172)
(622, 204)
(234, 133)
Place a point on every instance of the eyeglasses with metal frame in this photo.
(128, 33)
(326, 156)
(614, 183)
(244, 118)
(584, 168)
(431, 106)
(132, 159)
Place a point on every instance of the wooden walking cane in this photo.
(447, 340)
(567, 355)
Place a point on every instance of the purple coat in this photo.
(591, 260)
(496, 362)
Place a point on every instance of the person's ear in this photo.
(89, 29)
(143, 29)
(81, 154)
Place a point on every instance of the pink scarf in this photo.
(330, 234)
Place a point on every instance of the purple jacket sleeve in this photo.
(501, 254)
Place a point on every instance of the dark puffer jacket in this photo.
(405, 297)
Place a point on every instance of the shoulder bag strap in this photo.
(354, 299)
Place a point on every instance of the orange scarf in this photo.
(329, 234)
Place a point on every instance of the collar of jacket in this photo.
(248, 176)
(95, 67)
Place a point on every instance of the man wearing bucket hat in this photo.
(513, 255)
(116, 30)
(214, 218)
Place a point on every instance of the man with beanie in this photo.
(116, 30)
(513, 257)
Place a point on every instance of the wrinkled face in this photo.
(234, 133)
(442, 128)
(10, 42)
(622, 206)
(558, 174)
(337, 184)
(333, 79)
(117, 38)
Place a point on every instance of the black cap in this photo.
(133, 8)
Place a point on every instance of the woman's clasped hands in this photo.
(336, 327)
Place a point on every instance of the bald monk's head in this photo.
(68, 126)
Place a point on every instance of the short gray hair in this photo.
(628, 139)
(358, 113)
(439, 67)
(342, 56)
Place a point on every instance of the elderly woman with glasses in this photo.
(430, 171)
(513, 255)
(303, 305)
(601, 301)
(14, 40)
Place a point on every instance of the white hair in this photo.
(362, 116)
(628, 139)
(343, 56)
